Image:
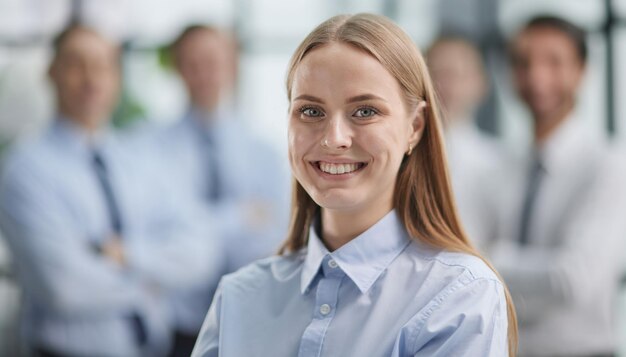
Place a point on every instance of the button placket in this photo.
(327, 292)
(328, 288)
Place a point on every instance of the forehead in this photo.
(544, 40)
(446, 47)
(86, 44)
(453, 53)
(202, 40)
(344, 69)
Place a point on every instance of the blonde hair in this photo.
(423, 197)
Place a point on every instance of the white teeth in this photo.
(338, 169)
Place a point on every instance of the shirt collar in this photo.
(77, 139)
(208, 120)
(210, 125)
(364, 258)
(564, 144)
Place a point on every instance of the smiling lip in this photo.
(338, 169)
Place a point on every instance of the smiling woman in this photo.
(376, 262)
(346, 100)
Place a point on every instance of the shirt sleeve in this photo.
(176, 246)
(207, 344)
(55, 263)
(468, 319)
(588, 261)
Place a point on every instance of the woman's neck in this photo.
(340, 227)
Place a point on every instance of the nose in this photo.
(337, 134)
(537, 77)
(92, 76)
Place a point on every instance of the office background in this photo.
(268, 32)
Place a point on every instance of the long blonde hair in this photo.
(423, 197)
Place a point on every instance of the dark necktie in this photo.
(115, 217)
(209, 151)
(532, 189)
(103, 178)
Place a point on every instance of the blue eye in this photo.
(365, 112)
(311, 112)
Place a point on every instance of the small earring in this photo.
(410, 150)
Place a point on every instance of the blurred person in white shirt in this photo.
(458, 71)
(559, 225)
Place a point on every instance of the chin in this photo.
(334, 200)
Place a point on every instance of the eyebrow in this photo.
(309, 98)
(358, 98)
(365, 97)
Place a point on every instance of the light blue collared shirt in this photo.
(249, 174)
(381, 294)
(53, 211)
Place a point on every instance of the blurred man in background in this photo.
(458, 71)
(97, 241)
(242, 184)
(561, 231)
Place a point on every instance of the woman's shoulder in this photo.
(464, 266)
(462, 310)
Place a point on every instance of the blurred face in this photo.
(547, 72)
(457, 72)
(349, 129)
(85, 74)
(205, 62)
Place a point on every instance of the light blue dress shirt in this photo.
(381, 294)
(249, 173)
(53, 211)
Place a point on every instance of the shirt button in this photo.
(332, 263)
(325, 309)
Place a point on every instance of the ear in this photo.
(417, 123)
